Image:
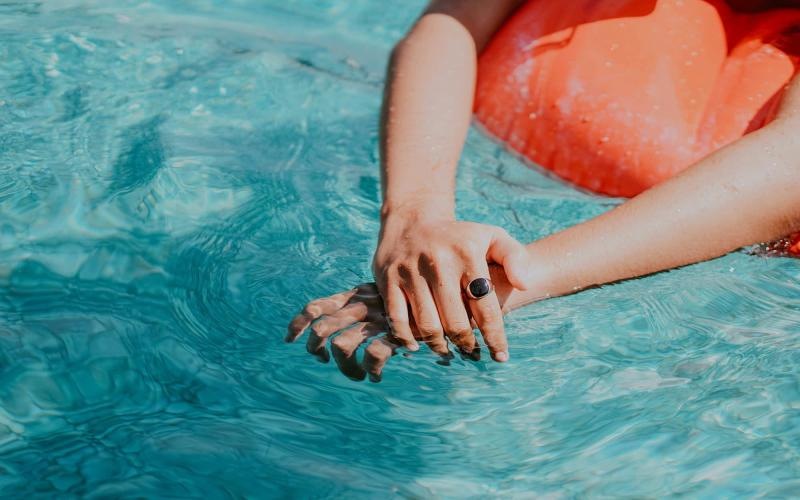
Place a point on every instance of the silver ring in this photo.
(479, 288)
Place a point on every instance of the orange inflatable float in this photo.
(616, 96)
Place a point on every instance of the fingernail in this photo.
(501, 357)
(413, 347)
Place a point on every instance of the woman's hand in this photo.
(358, 316)
(423, 264)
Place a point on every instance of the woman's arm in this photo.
(424, 257)
(746, 193)
(428, 101)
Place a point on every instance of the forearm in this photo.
(426, 115)
(746, 193)
(428, 104)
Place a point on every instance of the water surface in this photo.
(177, 178)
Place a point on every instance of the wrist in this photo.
(415, 209)
(545, 279)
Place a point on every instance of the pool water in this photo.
(177, 178)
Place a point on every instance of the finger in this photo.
(376, 355)
(345, 345)
(314, 310)
(426, 316)
(512, 255)
(488, 316)
(328, 325)
(394, 301)
(453, 313)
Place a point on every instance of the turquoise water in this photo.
(177, 178)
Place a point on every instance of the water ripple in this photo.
(178, 178)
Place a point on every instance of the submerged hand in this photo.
(358, 316)
(422, 264)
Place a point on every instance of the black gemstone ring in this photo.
(479, 288)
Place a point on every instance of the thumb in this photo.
(512, 255)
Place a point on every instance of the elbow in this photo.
(403, 45)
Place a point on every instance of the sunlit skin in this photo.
(425, 257)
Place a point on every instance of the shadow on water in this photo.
(141, 158)
(146, 291)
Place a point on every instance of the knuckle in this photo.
(311, 309)
(342, 344)
(462, 250)
(319, 329)
(376, 350)
(444, 257)
(493, 317)
(467, 250)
